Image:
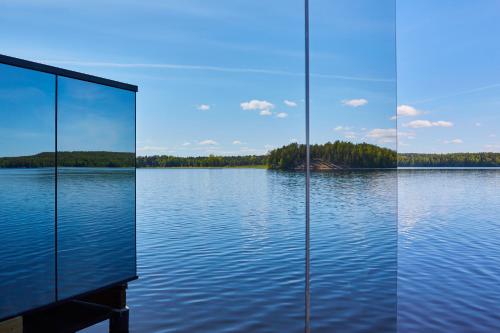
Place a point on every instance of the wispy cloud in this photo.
(355, 102)
(203, 107)
(211, 69)
(350, 135)
(454, 141)
(237, 142)
(459, 93)
(492, 147)
(186, 144)
(342, 128)
(282, 115)
(291, 104)
(384, 135)
(428, 123)
(208, 142)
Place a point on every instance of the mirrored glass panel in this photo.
(95, 186)
(353, 160)
(27, 189)
(449, 181)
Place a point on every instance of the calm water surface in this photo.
(449, 251)
(222, 250)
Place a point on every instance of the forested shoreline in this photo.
(329, 156)
(449, 160)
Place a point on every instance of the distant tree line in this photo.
(71, 159)
(339, 153)
(450, 160)
(165, 161)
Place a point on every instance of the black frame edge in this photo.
(7, 60)
(68, 299)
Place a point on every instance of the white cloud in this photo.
(342, 128)
(186, 143)
(382, 133)
(492, 147)
(355, 102)
(291, 104)
(203, 107)
(408, 135)
(282, 115)
(393, 118)
(407, 110)
(207, 142)
(493, 135)
(428, 123)
(265, 107)
(478, 124)
(350, 135)
(454, 141)
(294, 140)
(237, 142)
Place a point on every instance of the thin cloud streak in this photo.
(210, 68)
(460, 93)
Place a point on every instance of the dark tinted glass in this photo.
(96, 186)
(27, 184)
(353, 182)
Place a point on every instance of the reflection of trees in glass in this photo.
(71, 159)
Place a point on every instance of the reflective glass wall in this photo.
(353, 160)
(67, 217)
(95, 185)
(27, 189)
(449, 180)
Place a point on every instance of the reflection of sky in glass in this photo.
(26, 111)
(93, 117)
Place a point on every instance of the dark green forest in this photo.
(450, 160)
(328, 156)
(70, 159)
(339, 154)
(165, 161)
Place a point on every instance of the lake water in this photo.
(449, 251)
(222, 250)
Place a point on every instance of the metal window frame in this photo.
(7, 60)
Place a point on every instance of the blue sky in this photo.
(448, 75)
(225, 77)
